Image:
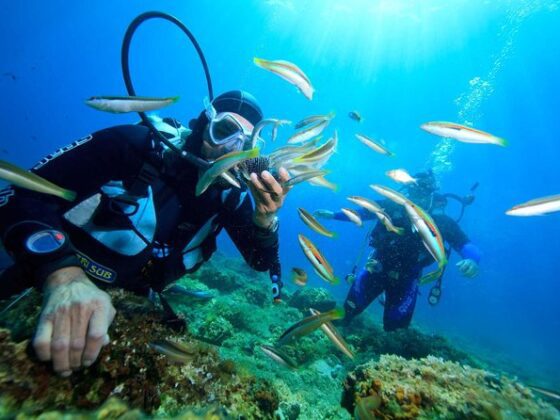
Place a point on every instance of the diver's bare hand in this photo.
(267, 204)
(74, 321)
(468, 268)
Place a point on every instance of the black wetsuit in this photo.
(402, 259)
(136, 222)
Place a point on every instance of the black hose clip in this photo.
(276, 288)
(435, 294)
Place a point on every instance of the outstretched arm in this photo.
(76, 314)
(460, 242)
(327, 214)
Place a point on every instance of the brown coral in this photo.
(130, 369)
(452, 391)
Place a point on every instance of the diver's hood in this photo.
(238, 101)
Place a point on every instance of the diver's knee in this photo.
(397, 321)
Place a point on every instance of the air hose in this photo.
(195, 160)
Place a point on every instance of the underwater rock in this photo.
(316, 298)
(21, 318)
(129, 369)
(114, 408)
(434, 388)
(223, 280)
(409, 343)
(257, 295)
(215, 330)
(266, 397)
(289, 411)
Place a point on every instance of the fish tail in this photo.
(335, 281)
(259, 61)
(399, 231)
(334, 235)
(68, 195)
(502, 142)
(174, 99)
(430, 277)
(338, 313)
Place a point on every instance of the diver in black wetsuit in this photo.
(395, 264)
(136, 222)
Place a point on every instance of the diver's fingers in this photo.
(60, 346)
(80, 315)
(284, 176)
(272, 184)
(472, 271)
(97, 333)
(43, 337)
(263, 199)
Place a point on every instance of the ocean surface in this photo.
(491, 64)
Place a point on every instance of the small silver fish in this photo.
(353, 216)
(31, 181)
(289, 72)
(183, 291)
(537, 207)
(174, 351)
(401, 176)
(122, 104)
(462, 133)
(374, 145)
(355, 115)
(278, 356)
(547, 392)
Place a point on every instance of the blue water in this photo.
(400, 63)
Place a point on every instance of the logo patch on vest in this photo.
(5, 195)
(61, 151)
(96, 270)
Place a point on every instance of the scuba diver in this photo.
(136, 222)
(395, 263)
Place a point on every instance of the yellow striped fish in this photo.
(353, 216)
(122, 104)
(314, 224)
(372, 144)
(289, 72)
(317, 260)
(332, 333)
(462, 133)
(308, 325)
(31, 181)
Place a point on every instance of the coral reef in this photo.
(434, 388)
(317, 298)
(114, 408)
(20, 319)
(215, 330)
(409, 343)
(228, 375)
(129, 369)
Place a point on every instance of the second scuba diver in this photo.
(395, 263)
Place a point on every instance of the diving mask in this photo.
(226, 128)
